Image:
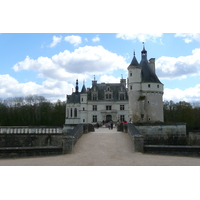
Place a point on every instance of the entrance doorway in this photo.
(108, 118)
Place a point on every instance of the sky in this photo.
(48, 64)
(44, 48)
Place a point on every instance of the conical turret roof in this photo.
(83, 89)
(148, 74)
(134, 62)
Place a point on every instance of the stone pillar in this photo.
(68, 144)
(138, 143)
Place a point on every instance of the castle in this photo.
(138, 100)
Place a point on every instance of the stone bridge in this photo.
(103, 147)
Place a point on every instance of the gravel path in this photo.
(103, 148)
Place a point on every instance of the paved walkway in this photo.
(103, 148)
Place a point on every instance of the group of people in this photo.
(108, 124)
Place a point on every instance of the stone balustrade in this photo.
(30, 130)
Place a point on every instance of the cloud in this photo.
(96, 39)
(80, 63)
(189, 37)
(171, 67)
(109, 79)
(74, 39)
(50, 89)
(188, 95)
(56, 40)
(142, 37)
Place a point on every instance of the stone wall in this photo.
(135, 136)
(194, 138)
(16, 141)
(161, 129)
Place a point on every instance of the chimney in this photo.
(152, 64)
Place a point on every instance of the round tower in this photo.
(151, 91)
(145, 91)
(134, 89)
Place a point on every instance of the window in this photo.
(149, 119)
(83, 108)
(75, 112)
(157, 86)
(83, 120)
(122, 118)
(94, 97)
(130, 73)
(149, 85)
(71, 112)
(131, 87)
(121, 96)
(108, 107)
(82, 99)
(142, 116)
(121, 107)
(94, 107)
(108, 96)
(94, 118)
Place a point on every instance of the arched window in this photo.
(71, 112)
(75, 112)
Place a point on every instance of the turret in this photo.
(145, 90)
(134, 72)
(83, 106)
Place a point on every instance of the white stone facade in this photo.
(102, 102)
(140, 101)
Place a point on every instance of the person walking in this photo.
(111, 125)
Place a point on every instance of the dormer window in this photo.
(94, 96)
(121, 96)
(108, 94)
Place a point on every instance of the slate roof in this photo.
(134, 62)
(73, 98)
(100, 88)
(147, 74)
(115, 87)
(83, 89)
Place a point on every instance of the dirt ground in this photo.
(103, 147)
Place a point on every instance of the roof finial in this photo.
(94, 77)
(134, 52)
(122, 76)
(76, 85)
(143, 46)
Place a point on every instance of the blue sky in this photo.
(44, 47)
(48, 64)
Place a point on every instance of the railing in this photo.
(136, 138)
(41, 140)
(70, 139)
(30, 130)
